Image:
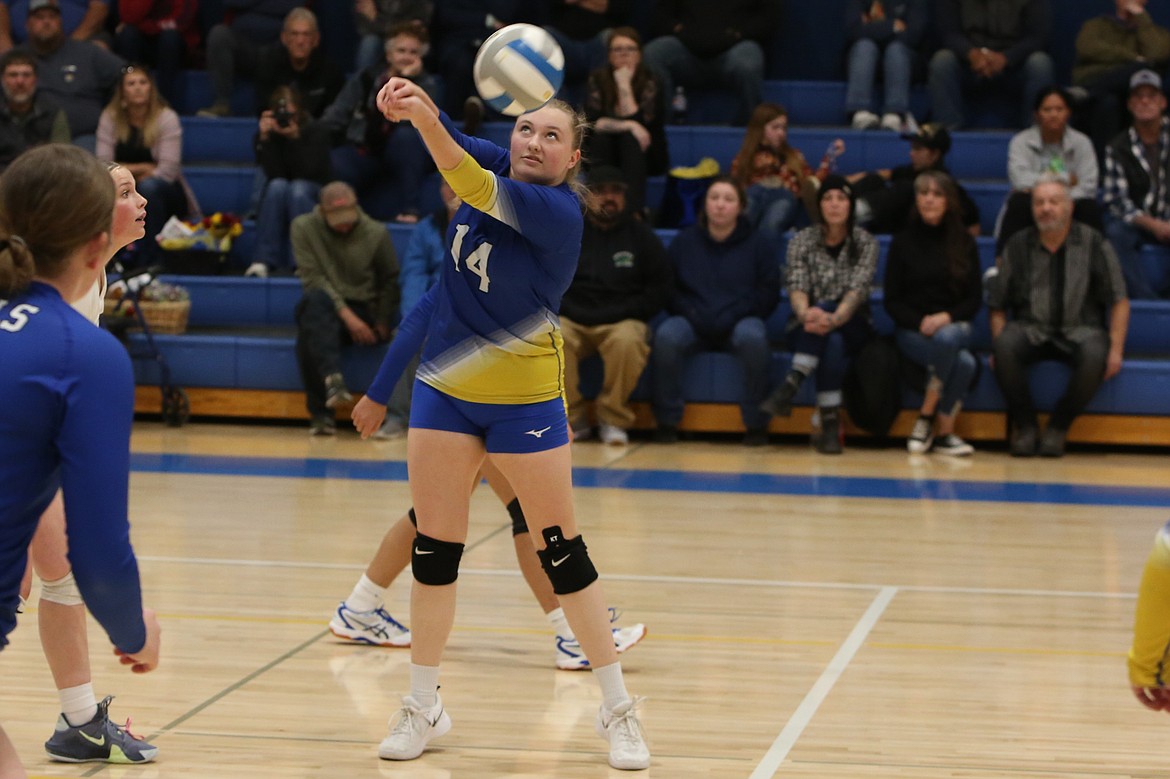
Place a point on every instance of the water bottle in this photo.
(678, 106)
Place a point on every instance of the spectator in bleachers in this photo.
(1110, 49)
(82, 20)
(622, 281)
(932, 290)
(776, 176)
(140, 132)
(892, 31)
(349, 272)
(292, 149)
(459, 27)
(582, 30)
(1049, 146)
(425, 254)
(1061, 284)
(989, 45)
(726, 283)
(160, 33)
(1136, 190)
(384, 161)
(76, 75)
(233, 48)
(705, 44)
(27, 118)
(374, 20)
(626, 106)
(885, 197)
(298, 61)
(830, 269)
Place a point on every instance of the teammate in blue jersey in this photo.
(68, 399)
(491, 384)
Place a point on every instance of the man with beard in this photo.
(77, 75)
(622, 280)
(27, 119)
(1062, 284)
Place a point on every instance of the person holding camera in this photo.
(140, 132)
(293, 150)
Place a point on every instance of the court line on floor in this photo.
(820, 690)
(663, 579)
(688, 481)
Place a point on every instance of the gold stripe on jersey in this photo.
(1151, 631)
(524, 364)
(475, 185)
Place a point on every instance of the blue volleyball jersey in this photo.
(495, 336)
(66, 406)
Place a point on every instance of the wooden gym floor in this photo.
(870, 615)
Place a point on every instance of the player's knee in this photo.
(435, 562)
(566, 562)
(519, 524)
(63, 591)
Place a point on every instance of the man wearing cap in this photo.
(989, 46)
(1136, 185)
(76, 75)
(82, 20)
(885, 197)
(622, 280)
(27, 119)
(349, 272)
(1110, 49)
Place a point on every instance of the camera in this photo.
(282, 115)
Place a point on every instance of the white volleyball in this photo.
(518, 69)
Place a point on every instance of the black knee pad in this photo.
(519, 524)
(566, 563)
(435, 562)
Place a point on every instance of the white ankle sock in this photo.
(78, 704)
(613, 685)
(424, 684)
(561, 625)
(366, 595)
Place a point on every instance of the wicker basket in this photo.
(166, 317)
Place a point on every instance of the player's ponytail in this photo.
(578, 125)
(53, 199)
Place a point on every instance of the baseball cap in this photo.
(338, 204)
(37, 5)
(607, 174)
(932, 135)
(1145, 78)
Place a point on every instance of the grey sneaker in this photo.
(392, 428)
(336, 392)
(98, 741)
(627, 741)
(414, 728)
(322, 426)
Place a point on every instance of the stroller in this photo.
(176, 407)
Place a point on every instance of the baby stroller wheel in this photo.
(176, 408)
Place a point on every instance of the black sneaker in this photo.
(98, 741)
(828, 440)
(1023, 442)
(1052, 442)
(666, 434)
(953, 445)
(779, 403)
(921, 437)
(336, 392)
(755, 437)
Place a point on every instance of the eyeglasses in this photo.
(623, 49)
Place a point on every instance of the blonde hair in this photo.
(53, 198)
(578, 126)
(117, 108)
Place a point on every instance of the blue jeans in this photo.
(581, 57)
(675, 340)
(389, 183)
(950, 75)
(772, 209)
(283, 201)
(834, 350)
(1127, 241)
(739, 70)
(371, 49)
(897, 64)
(945, 355)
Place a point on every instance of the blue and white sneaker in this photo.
(98, 741)
(571, 658)
(376, 628)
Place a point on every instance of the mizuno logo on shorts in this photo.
(538, 433)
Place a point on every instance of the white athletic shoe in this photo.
(612, 435)
(376, 627)
(571, 658)
(921, 437)
(414, 728)
(627, 741)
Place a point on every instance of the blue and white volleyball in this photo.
(518, 69)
